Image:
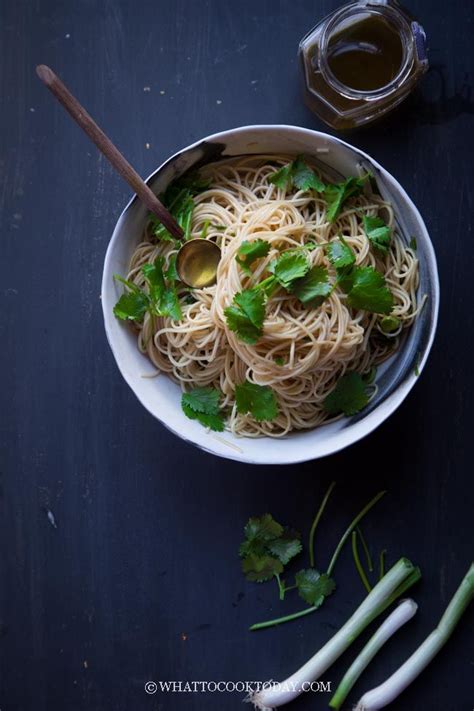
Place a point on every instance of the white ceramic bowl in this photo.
(395, 379)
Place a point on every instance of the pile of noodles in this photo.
(303, 350)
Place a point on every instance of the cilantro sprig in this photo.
(160, 298)
(348, 397)
(297, 175)
(258, 400)
(178, 199)
(202, 404)
(314, 287)
(377, 232)
(246, 315)
(267, 548)
(266, 539)
(365, 287)
(249, 252)
(336, 195)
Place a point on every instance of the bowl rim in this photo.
(351, 434)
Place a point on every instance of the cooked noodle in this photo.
(317, 345)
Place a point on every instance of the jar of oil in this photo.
(362, 61)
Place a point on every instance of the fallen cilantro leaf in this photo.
(248, 252)
(377, 232)
(336, 195)
(258, 569)
(259, 400)
(286, 547)
(202, 404)
(267, 548)
(369, 291)
(263, 528)
(314, 587)
(246, 315)
(290, 265)
(313, 288)
(340, 254)
(349, 396)
(282, 177)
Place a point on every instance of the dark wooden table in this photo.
(119, 541)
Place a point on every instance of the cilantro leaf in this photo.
(267, 548)
(378, 232)
(202, 404)
(263, 528)
(290, 265)
(282, 177)
(259, 400)
(297, 174)
(336, 195)
(178, 199)
(413, 245)
(304, 178)
(248, 252)
(246, 315)
(164, 298)
(287, 546)
(154, 276)
(349, 396)
(369, 291)
(258, 568)
(132, 305)
(314, 587)
(340, 254)
(313, 288)
(171, 273)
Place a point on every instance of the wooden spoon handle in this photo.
(105, 145)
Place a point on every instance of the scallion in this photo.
(393, 584)
(384, 694)
(404, 612)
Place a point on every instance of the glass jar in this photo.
(362, 61)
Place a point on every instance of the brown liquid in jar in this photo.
(366, 55)
(361, 61)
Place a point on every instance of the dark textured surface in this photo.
(139, 579)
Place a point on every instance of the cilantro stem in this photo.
(205, 228)
(280, 620)
(370, 565)
(268, 282)
(382, 564)
(281, 587)
(350, 528)
(316, 521)
(358, 565)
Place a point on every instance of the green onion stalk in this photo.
(387, 692)
(402, 614)
(397, 580)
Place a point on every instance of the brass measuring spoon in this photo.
(197, 259)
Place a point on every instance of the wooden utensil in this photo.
(107, 148)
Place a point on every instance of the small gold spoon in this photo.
(197, 259)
